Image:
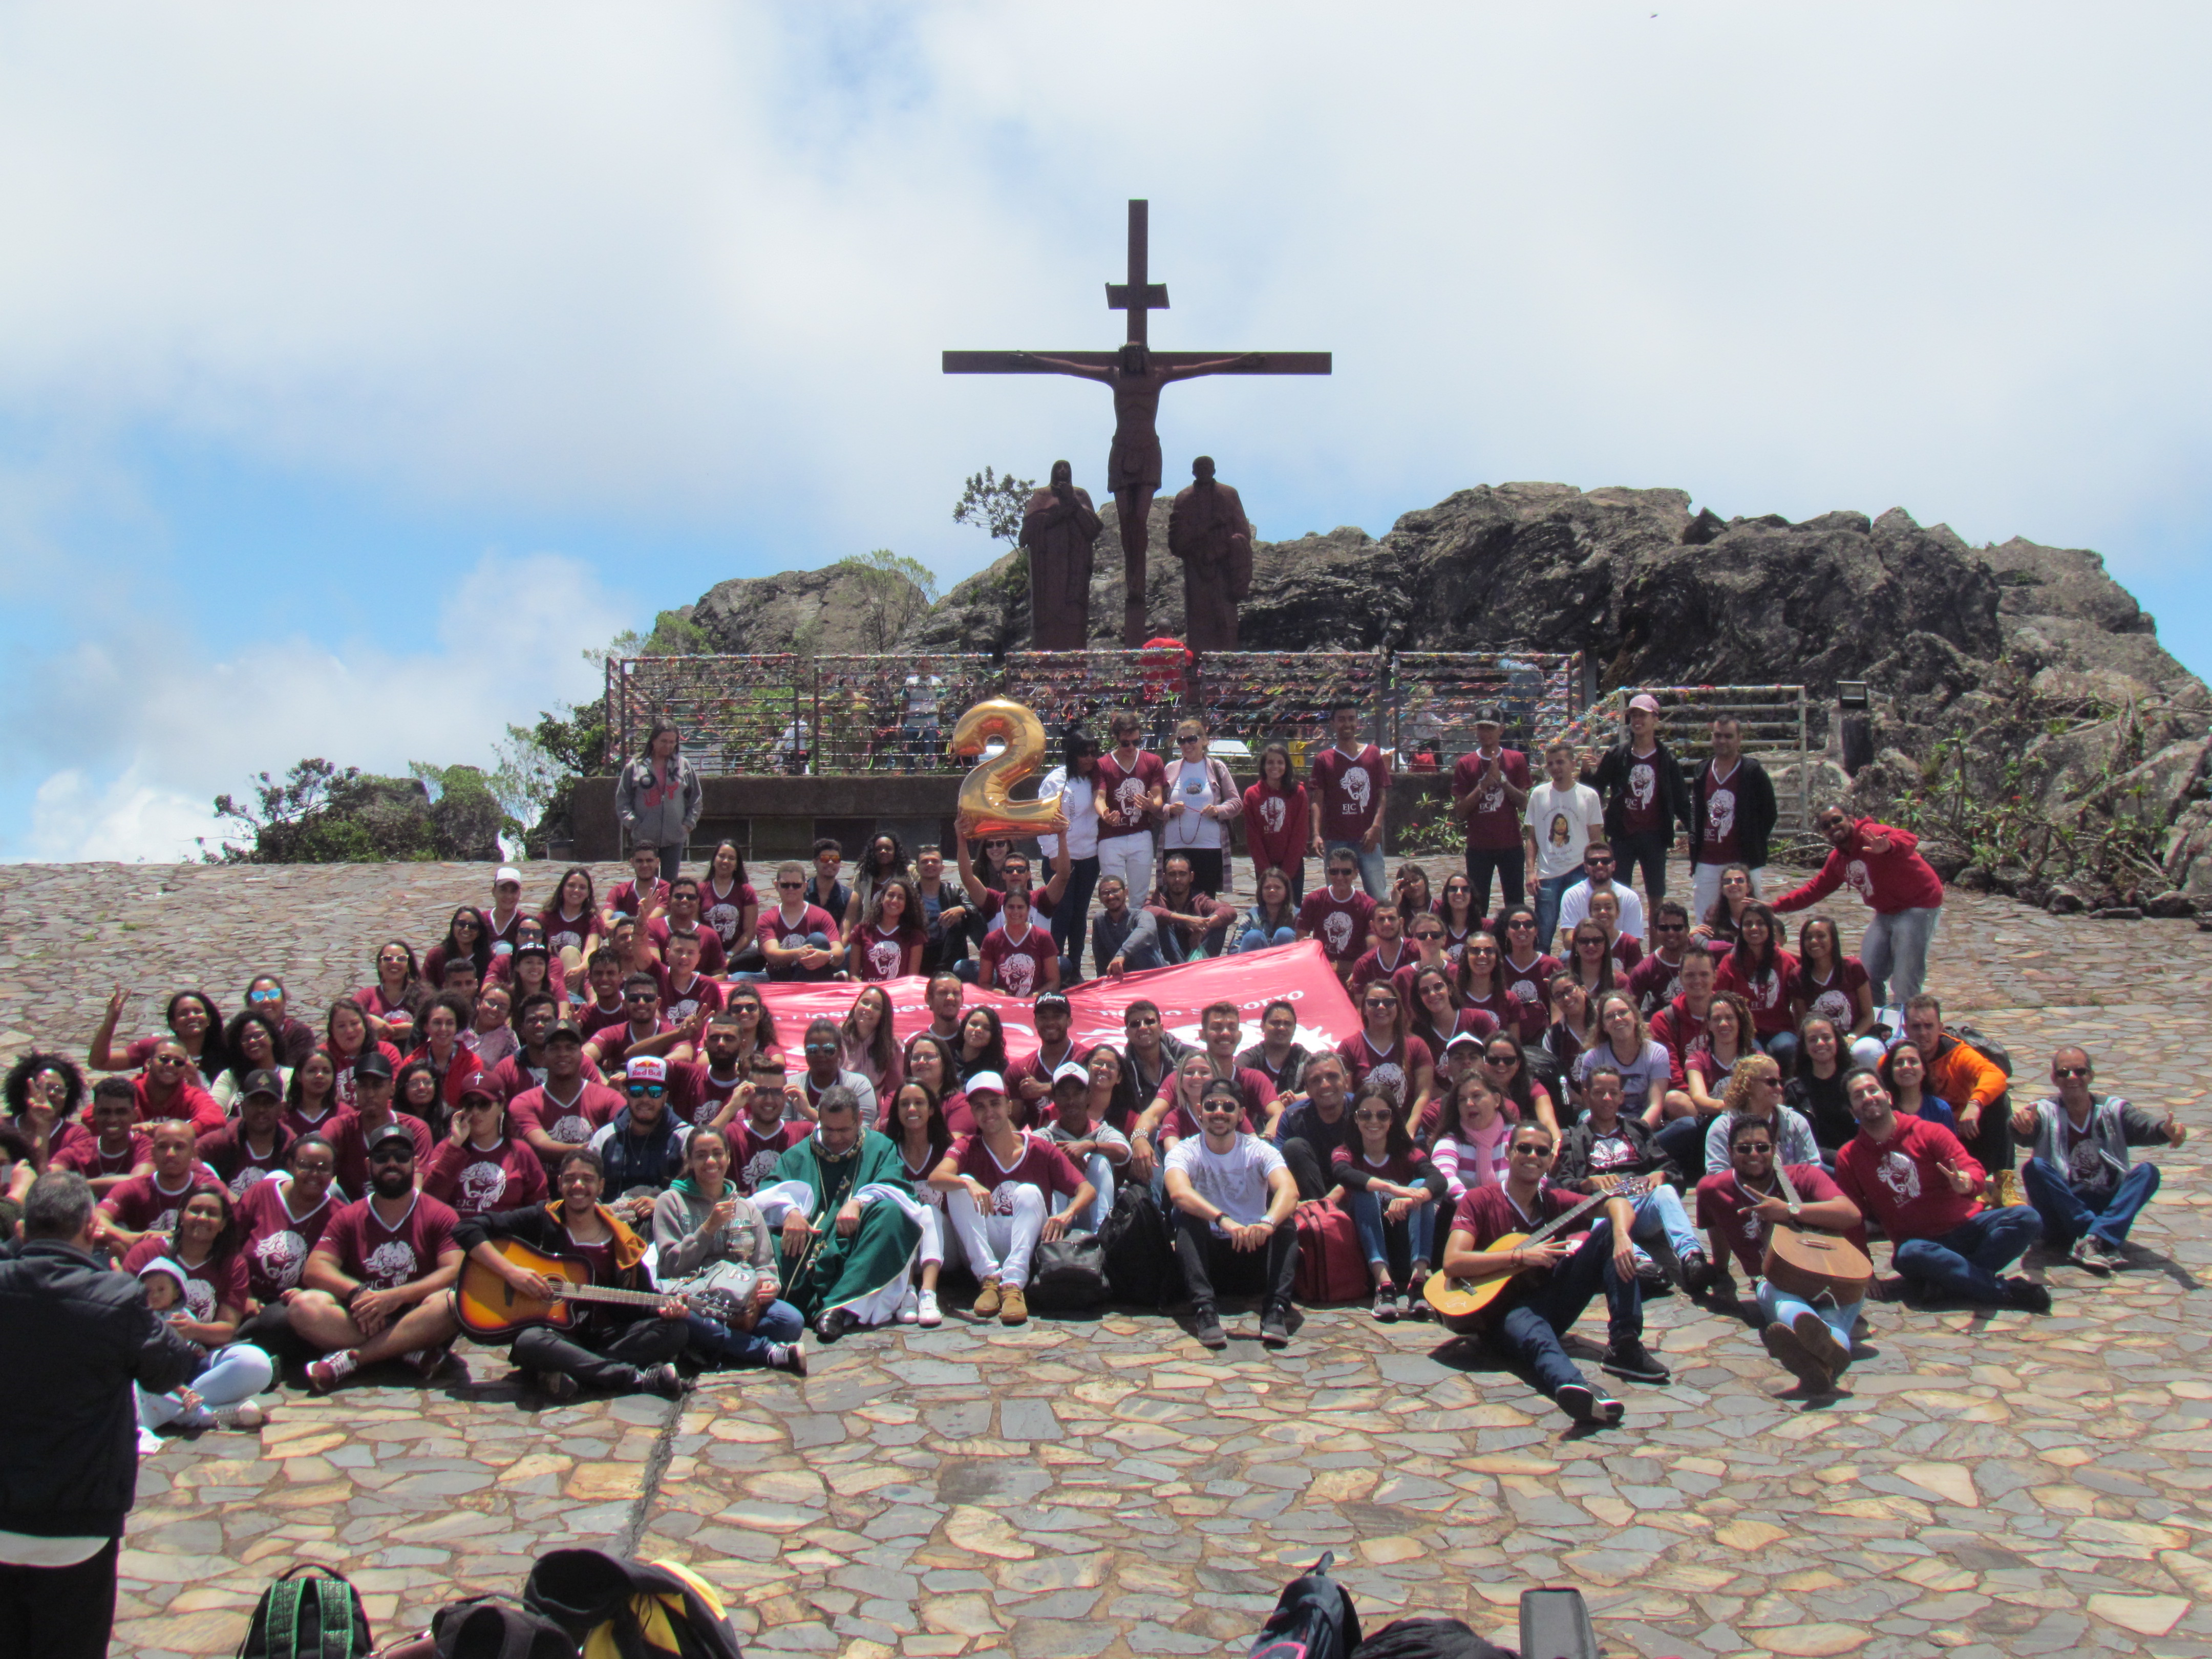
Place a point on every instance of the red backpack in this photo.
(1331, 1265)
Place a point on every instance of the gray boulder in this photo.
(819, 611)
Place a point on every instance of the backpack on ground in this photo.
(1068, 1273)
(1331, 1267)
(613, 1608)
(494, 1627)
(299, 1617)
(1987, 1047)
(1313, 1618)
(1429, 1639)
(1139, 1257)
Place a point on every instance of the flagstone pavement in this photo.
(1990, 1484)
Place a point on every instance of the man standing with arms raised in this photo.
(1490, 791)
(1884, 867)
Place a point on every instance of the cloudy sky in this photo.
(361, 366)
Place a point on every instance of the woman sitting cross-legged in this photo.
(702, 1221)
(1393, 1193)
(196, 1281)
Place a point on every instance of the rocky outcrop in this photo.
(824, 611)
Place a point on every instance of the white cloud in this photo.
(142, 736)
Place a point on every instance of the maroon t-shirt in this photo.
(186, 1100)
(569, 1120)
(723, 910)
(1526, 1019)
(1371, 965)
(218, 1282)
(1680, 1033)
(475, 1180)
(514, 1076)
(680, 1006)
(1487, 1211)
(1531, 984)
(277, 1240)
(1035, 1069)
(1255, 1088)
(1492, 826)
(1835, 996)
(385, 1257)
(592, 1018)
(76, 1147)
(754, 1155)
(1349, 788)
(351, 1143)
(712, 958)
(613, 1041)
(228, 1153)
(882, 952)
(695, 1094)
(1722, 844)
(1125, 793)
(1017, 966)
(622, 899)
(1724, 1209)
(1394, 1068)
(1654, 983)
(144, 1204)
(1768, 994)
(792, 936)
(345, 1089)
(567, 932)
(1642, 811)
(1340, 924)
(1042, 1166)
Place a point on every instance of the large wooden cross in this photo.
(1136, 373)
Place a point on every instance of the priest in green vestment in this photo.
(849, 1219)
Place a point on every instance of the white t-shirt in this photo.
(1235, 1182)
(1574, 908)
(1074, 797)
(1192, 786)
(1563, 821)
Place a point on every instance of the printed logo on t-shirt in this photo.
(391, 1264)
(281, 1255)
(482, 1183)
(1752, 1226)
(166, 1222)
(1129, 799)
(1563, 830)
(1390, 1075)
(571, 1128)
(245, 1178)
(1019, 971)
(1336, 928)
(1643, 786)
(1526, 989)
(884, 956)
(1002, 1198)
(758, 1168)
(1855, 873)
(1834, 1004)
(1900, 1175)
(1357, 784)
(1273, 811)
(1611, 1152)
(199, 1298)
(724, 919)
(1720, 816)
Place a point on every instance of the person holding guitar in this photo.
(1744, 1208)
(625, 1345)
(1502, 1234)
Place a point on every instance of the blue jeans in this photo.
(1069, 916)
(1254, 940)
(1530, 1332)
(1895, 953)
(1412, 1235)
(820, 941)
(1549, 892)
(718, 1344)
(1779, 1307)
(2067, 1214)
(1660, 1214)
(1963, 1263)
(1372, 874)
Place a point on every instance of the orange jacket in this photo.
(1963, 1076)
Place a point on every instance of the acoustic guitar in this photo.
(490, 1308)
(1456, 1298)
(1804, 1261)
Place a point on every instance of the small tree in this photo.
(995, 504)
(893, 590)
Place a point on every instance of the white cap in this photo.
(982, 1080)
(1459, 1037)
(506, 872)
(1069, 1068)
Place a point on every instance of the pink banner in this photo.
(1295, 973)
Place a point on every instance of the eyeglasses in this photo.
(465, 924)
(641, 1089)
(2069, 1071)
(790, 886)
(264, 996)
(821, 1047)
(1754, 1145)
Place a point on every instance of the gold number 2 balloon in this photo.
(987, 806)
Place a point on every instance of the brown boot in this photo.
(987, 1299)
(1013, 1306)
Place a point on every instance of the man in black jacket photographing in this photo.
(68, 1443)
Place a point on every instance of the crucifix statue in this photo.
(1137, 373)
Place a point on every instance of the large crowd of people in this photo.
(573, 1124)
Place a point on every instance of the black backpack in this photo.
(1141, 1258)
(1313, 1618)
(639, 1609)
(307, 1618)
(494, 1627)
(1429, 1639)
(1068, 1273)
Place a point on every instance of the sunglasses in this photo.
(1189, 739)
(1500, 1058)
(642, 996)
(1372, 1117)
(821, 1047)
(264, 996)
(392, 1155)
(1427, 939)
(1754, 1145)
(640, 1089)
(2069, 1071)
(1523, 925)
(790, 886)
(1671, 927)
(166, 1060)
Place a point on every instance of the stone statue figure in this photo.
(1208, 531)
(1058, 527)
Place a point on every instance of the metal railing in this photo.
(1437, 695)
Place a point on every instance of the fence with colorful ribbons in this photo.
(1775, 721)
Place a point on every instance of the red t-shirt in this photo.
(1492, 826)
(1835, 996)
(1487, 1210)
(1724, 1209)
(1900, 1182)
(791, 936)
(227, 1152)
(1034, 1068)
(1394, 1068)
(1531, 984)
(1898, 879)
(1276, 832)
(754, 1155)
(1528, 1019)
(475, 1180)
(1042, 1166)
(350, 1144)
(1627, 953)
(1680, 1033)
(680, 1006)
(712, 958)
(186, 1100)
(565, 933)
(1350, 791)
(570, 1121)
(1256, 1089)
(277, 1240)
(882, 952)
(1641, 809)
(1017, 966)
(343, 1090)
(592, 1017)
(1769, 996)
(695, 1094)
(613, 1041)
(623, 898)
(144, 1204)
(723, 910)
(374, 1002)
(1654, 983)
(385, 1257)
(76, 1147)
(1126, 792)
(1721, 844)
(218, 1282)
(1340, 924)
(462, 1069)
(1370, 966)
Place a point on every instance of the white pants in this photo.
(1129, 857)
(998, 1246)
(1706, 888)
(234, 1373)
(933, 1241)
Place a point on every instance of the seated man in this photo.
(1001, 1185)
(252, 1145)
(1914, 1178)
(2078, 1174)
(1526, 1320)
(1392, 956)
(1123, 939)
(1278, 1055)
(1189, 922)
(683, 920)
(568, 1108)
(151, 1202)
(625, 1348)
(763, 1130)
(799, 940)
(351, 1131)
(1309, 1132)
(1233, 1197)
(113, 1149)
(1029, 1082)
(825, 1048)
(1097, 1149)
(1739, 1207)
(1597, 877)
(849, 1219)
(1337, 913)
(1976, 1085)
(374, 1285)
(641, 1149)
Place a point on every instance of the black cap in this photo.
(533, 947)
(565, 1030)
(261, 1081)
(1490, 714)
(374, 1063)
(1051, 999)
(394, 1130)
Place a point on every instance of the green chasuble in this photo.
(864, 1272)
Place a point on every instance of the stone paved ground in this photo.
(1990, 1484)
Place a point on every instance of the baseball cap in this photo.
(533, 947)
(1462, 1036)
(1052, 999)
(565, 1030)
(506, 872)
(646, 1068)
(986, 1082)
(479, 1090)
(1070, 1069)
(1490, 714)
(1644, 701)
(394, 1130)
(374, 1063)
(263, 1081)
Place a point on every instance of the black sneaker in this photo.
(1698, 1273)
(664, 1380)
(1275, 1326)
(834, 1324)
(1386, 1305)
(1206, 1326)
(1586, 1405)
(558, 1386)
(1635, 1362)
(2026, 1295)
(787, 1357)
(2090, 1254)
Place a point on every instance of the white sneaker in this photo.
(909, 1307)
(148, 1442)
(926, 1313)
